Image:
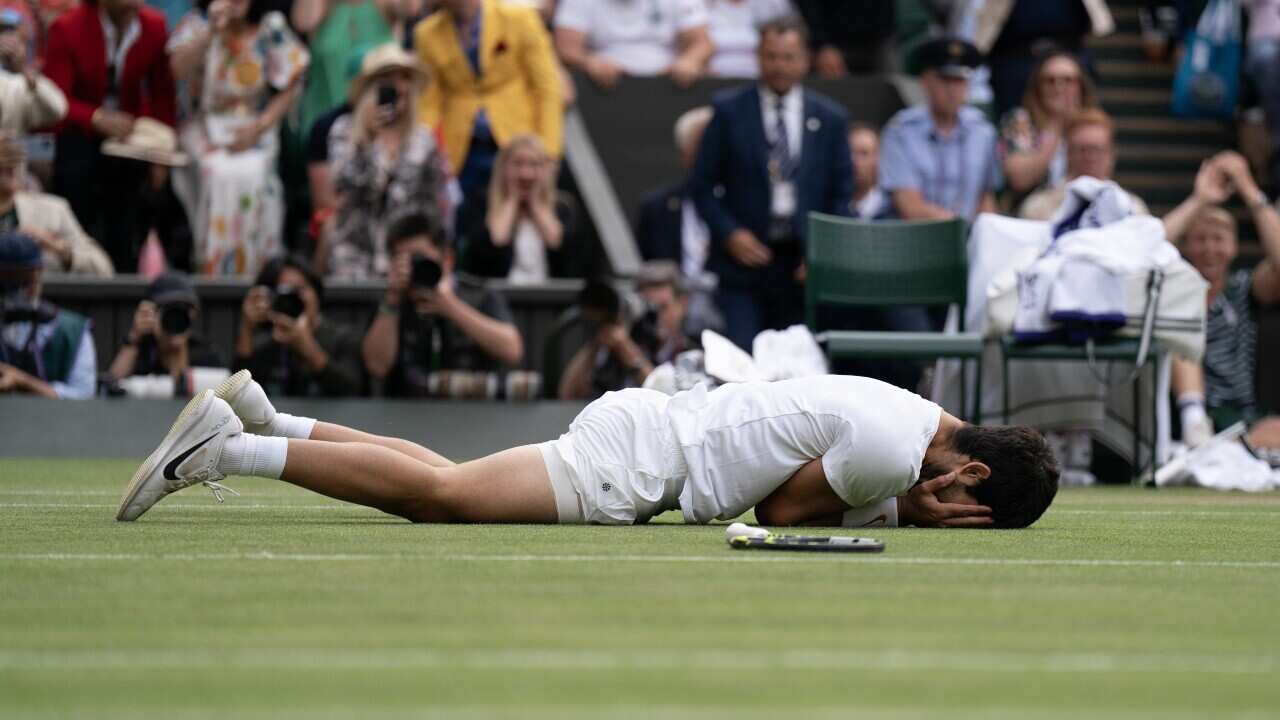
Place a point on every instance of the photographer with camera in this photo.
(669, 321)
(163, 340)
(432, 320)
(44, 350)
(288, 344)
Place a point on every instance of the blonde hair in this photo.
(497, 182)
(1090, 117)
(1213, 216)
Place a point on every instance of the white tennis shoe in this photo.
(188, 455)
(248, 400)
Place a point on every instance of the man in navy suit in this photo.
(772, 153)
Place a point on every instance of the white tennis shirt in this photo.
(742, 441)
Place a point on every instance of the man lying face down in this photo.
(827, 450)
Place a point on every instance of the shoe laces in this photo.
(217, 489)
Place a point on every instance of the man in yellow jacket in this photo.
(492, 76)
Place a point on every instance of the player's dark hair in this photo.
(415, 225)
(1024, 473)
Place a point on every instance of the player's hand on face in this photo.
(926, 510)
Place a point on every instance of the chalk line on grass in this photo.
(729, 660)
(727, 557)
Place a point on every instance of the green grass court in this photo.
(282, 604)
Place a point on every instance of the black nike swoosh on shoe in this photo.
(171, 470)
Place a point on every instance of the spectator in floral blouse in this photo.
(384, 164)
(251, 73)
(1032, 143)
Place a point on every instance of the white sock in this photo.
(1191, 408)
(256, 455)
(290, 426)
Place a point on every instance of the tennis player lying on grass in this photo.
(827, 450)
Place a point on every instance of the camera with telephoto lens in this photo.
(425, 273)
(288, 301)
(175, 318)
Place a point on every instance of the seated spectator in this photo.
(869, 201)
(938, 161)
(1223, 385)
(286, 341)
(850, 36)
(669, 227)
(44, 350)
(1263, 65)
(108, 58)
(47, 219)
(251, 73)
(523, 232)
(1032, 136)
(735, 34)
(164, 339)
(1089, 139)
(28, 99)
(331, 29)
(607, 40)
(432, 320)
(493, 77)
(385, 165)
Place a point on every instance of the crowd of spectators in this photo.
(419, 143)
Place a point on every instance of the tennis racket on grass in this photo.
(743, 537)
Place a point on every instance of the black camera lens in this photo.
(175, 319)
(388, 95)
(288, 301)
(426, 273)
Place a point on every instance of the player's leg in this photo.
(206, 444)
(247, 398)
(332, 432)
(509, 486)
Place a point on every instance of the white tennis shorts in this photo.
(619, 463)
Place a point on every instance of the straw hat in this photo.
(384, 58)
(151, 141)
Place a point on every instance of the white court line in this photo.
(741, 557)
(586, 660)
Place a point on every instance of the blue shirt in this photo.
(952, 171)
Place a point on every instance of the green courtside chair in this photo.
(852, 263)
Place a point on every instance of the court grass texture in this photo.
(283, 604)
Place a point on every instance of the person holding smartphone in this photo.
(385, 165)
(164, 339)
(288, 343)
